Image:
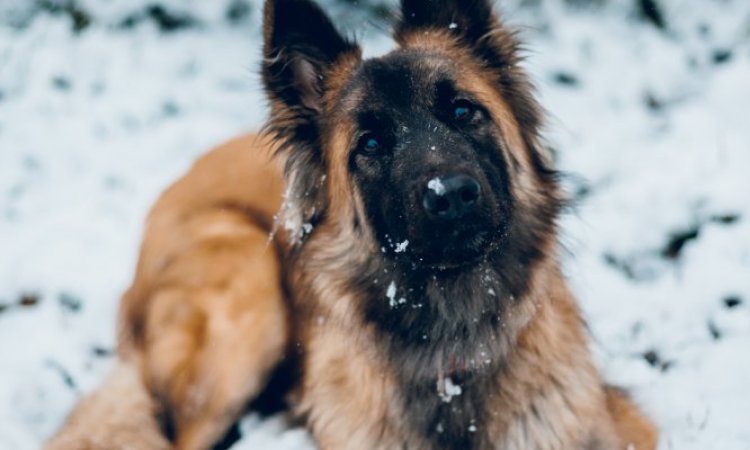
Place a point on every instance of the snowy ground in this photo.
(651, 126)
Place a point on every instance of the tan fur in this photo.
(120, 415)
(206, 318)
(208, 291)
(213, 322)
(635, 431)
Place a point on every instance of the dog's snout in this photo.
(451, 197)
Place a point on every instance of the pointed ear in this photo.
(469, 19)
(300, 46)
(474, 24)
(301, 49)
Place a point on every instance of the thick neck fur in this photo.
(448, 335)
(449, 338)
(442, 322)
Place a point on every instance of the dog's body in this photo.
(414, 284)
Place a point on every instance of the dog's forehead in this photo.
(401, 79)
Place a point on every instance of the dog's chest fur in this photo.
(460, 374)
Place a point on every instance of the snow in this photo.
(436, 186)
(390, 294)
(401, 246)
(449, 390)
(649, 127)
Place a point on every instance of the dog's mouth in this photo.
(450, 266)
(451, 251)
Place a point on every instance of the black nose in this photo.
(451, 196)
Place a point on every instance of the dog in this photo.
(390, 241)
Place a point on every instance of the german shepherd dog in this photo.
(411, 284)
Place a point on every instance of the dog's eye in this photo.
(369, 144)
(463, 111)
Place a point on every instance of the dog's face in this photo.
(425, 155)
(430, 150)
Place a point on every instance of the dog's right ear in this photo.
(300, 46)
(469, 19)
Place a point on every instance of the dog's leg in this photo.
(634, 430)
(214, 326)
(204, 324)
(205, 321)
(119, 415)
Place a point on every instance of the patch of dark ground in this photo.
(721, 56)
(679, 239)
(375, 9)
(238, 11)
(165, 19)
(62, 83)
(566, 79)
(69, 302)
(651, 12)
(70, 10)
(655, 360)
(64, 374)
(100, 351)
(80, 19)
(732, 301)
(645, 265)
(25, 300)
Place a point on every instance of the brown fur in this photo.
(217, 304)
(205, 319)
(346, 386)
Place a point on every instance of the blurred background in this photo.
(104, 102)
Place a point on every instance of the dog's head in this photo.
(430, 152)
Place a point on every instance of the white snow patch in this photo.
(449, 390)
(390, 294)
(436, 186)
(137, 107)
(401, 246)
